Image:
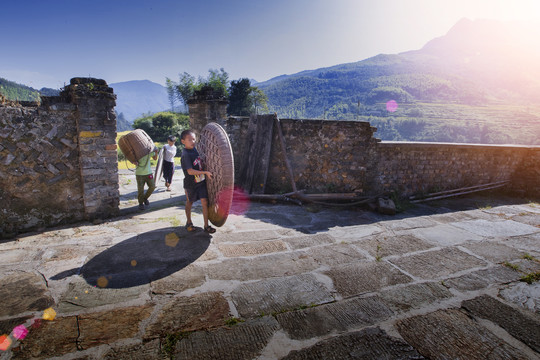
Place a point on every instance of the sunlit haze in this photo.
(46, 43)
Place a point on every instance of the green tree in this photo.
(217, 80)
(258, 100)
(171, 92)
(144, 123)
(185, 88)
(162, 124)
(239, 101)
(245, 99)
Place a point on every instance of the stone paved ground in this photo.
(439, 281)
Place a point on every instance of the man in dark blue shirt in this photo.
(194, 179)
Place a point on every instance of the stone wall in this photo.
(58, 159)
(205, 106)
(344, 156)
(411, 168)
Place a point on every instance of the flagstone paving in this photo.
(440, 280)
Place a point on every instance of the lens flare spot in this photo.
(171, 239)
(76, 297)
(133, 262)
(20, 332)
(102, 282)
(86, 291)
(5, 342)
(240, 202)
(49, 314)
(391, 106)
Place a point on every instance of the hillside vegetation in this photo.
(17, 92)
(463, 87)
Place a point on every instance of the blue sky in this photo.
(46, 43)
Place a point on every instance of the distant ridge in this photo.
(475, 62)
(138, 97)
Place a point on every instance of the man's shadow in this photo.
(142, 259)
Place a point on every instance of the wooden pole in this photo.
(461, 189)
(447, 195)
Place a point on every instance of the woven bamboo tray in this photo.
(216, 155)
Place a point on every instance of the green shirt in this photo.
(144, 167)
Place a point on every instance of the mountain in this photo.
(138, 97)
(17, 92)
(476, 62)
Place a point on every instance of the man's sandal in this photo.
(189, 227)
(210, 230)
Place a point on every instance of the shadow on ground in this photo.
(141, 259)
(319, 218)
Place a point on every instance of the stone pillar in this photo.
(206, 105)
(98, 157)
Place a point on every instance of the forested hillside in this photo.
(463, 87)
(17, 92)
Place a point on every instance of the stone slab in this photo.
(244, 236)
(410, 223)
(148, 350)
(252, 248)
(512, 210)
(389, 244)
(354, 232)
(16, 257)
(334, 317)
(198, 312)
(436, 264)
(414, 296)
(309, 241)
(262, 267)
(442, 235)
(496, 228)
(528, 219)
(65, 252)
(278, 295)
(82, 296)
(451, 217)
(359, 278)
(481, 279)
(526, 266)
(241, 341)
(189, 277)
(524, 295)
(50, 338)
(23, 292)
(527, 242)
(451, 334)
(372, 343)
(521, 325)
(144, 225)
(494, 251)
(335, 254)
(107, 327)
(7, 325)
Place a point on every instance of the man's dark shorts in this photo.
(197, 193)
